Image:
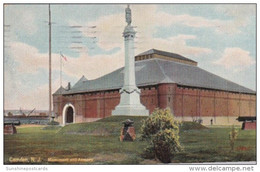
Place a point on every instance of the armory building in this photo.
(166, 80)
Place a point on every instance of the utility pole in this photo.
(60, 70)
(50, 114)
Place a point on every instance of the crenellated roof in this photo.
(153, 53)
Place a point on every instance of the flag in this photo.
(65, 58)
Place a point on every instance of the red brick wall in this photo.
(149, 98)
(101, 104)
(183, 101)
(166, 97)
(199, 102)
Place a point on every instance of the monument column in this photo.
(129, 94)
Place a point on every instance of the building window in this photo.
(169, 99)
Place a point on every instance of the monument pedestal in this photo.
(130, 110)
(130, 104)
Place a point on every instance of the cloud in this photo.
(21, 18)
(240, 17)
(236, 59)
(176, 44)
(34, 98)
(230, 26)
(110, 30)
(93, 66)
(29, 61)
(240, 13)
(28, 57)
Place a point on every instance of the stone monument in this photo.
(129, 94)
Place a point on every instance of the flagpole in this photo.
(60, 70)
(50, 61)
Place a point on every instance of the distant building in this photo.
(166, 80)
(20, 112)
(27, 116)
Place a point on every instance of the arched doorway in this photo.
(68, 114)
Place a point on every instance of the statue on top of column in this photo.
(128, 15)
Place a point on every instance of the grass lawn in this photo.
(98, 143)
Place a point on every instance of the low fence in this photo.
(41, 120)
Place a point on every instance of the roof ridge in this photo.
(59, 90)
(164, 74)
(82, 79)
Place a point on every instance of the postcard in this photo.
(129, 84)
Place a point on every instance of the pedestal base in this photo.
(130, 103)
(130, 110)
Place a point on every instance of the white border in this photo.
(114, 168)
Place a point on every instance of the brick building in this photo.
(166, 80)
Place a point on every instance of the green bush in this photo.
(163, 132)
(166, 143)
(159, 120)
(232, 137)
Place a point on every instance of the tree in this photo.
(9, 114)
(162, 131)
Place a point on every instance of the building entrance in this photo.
(69, 115)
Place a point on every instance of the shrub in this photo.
(162, 131)
(166, 143)
(232, 137)
(159, 120)
(10, 114)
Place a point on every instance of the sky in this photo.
(220, 37)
